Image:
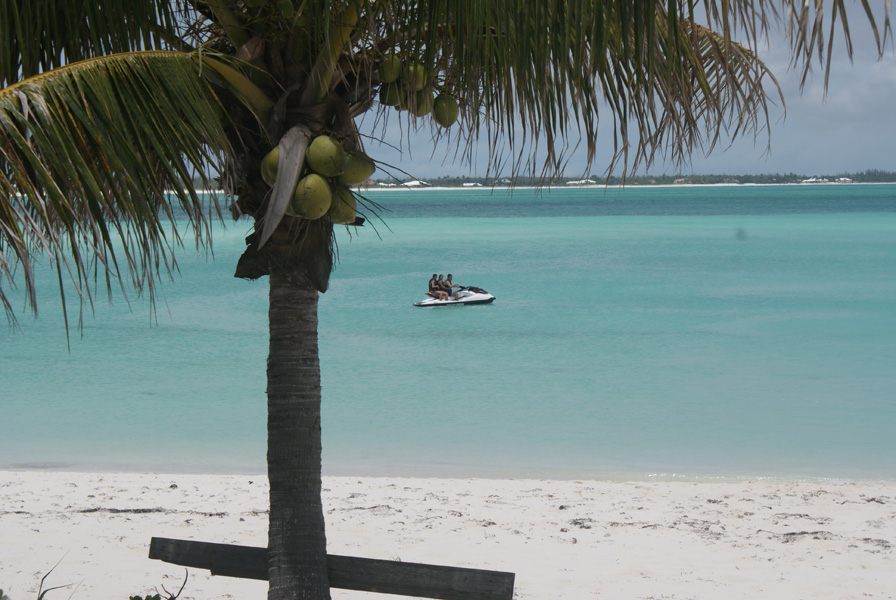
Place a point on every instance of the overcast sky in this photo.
(852, 129)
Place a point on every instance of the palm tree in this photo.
(110, 108)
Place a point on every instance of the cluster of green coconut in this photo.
(409, 87)
(324, 189)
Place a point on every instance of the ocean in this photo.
(709, 331)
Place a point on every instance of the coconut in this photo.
(415, 77)
(325, 156)
(390, 94)
(423, 103)
(269, 166)
(311, 199)
(390, 68)
(286, 8)
(405, 97)
(358, 168)
(444, 110)
(343, 207)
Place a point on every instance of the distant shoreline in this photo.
(404, 188)
(597, 186)
(439, 472)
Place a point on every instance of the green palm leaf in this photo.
(40, 35)
(104, 151)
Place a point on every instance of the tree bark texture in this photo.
(297, 546)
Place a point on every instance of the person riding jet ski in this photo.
(448, 284)
(435, 288)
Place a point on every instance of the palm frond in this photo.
(547, 70)
(96, 166)
(40, 35)
(806, 30)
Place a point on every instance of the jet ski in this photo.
(465, 295)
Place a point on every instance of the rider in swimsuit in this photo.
(435, 289)
(448, 284)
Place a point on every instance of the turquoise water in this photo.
(724, 331)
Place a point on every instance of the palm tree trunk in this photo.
(297, 545)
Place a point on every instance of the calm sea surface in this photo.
(709, 331)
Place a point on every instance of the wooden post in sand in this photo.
(345, 572)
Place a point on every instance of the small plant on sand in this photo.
(157, 596)
(41, 592)
(3, 596)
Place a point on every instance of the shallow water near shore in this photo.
(717, 331)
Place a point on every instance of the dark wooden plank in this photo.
(416, 579)
(244, 562)
(345, 572)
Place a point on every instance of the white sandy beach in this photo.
(563, 539)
